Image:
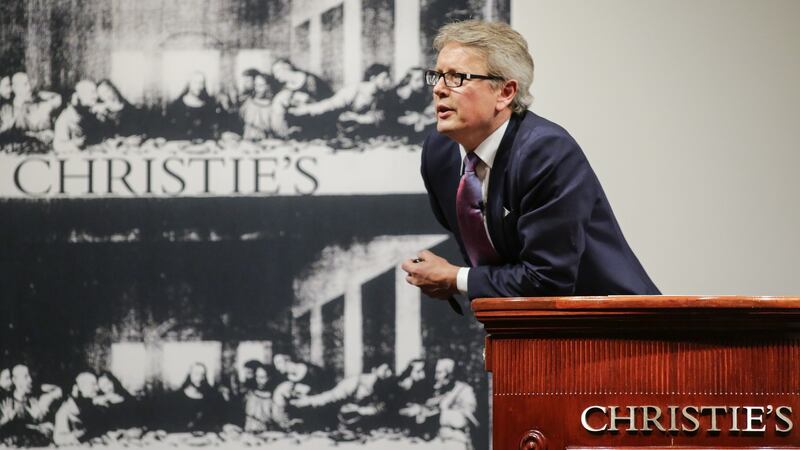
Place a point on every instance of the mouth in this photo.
(443, 112)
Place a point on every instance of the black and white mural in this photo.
(205, 205)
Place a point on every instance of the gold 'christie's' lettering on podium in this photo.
(687, 419)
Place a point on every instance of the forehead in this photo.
(460, 58)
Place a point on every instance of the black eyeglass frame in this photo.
(459, 76)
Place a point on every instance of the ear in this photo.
(506, 94)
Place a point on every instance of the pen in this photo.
(452, 301)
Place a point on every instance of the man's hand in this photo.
(432, 274)
(7, 411)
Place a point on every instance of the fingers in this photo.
(413, 266)
(426, 254)
(408, 266)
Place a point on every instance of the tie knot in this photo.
(470, 161)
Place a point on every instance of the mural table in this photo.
(643, 372)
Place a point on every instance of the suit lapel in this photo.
(494, 212)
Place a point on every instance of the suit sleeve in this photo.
(435, 207)
(556, 191)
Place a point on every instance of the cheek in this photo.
(479, 107)
(467, 109)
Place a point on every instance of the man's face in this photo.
(5, 87)
(296, 371)
(87, 93)
(22, 379)
(197, 375)
(87, 385)
(5, 380)
(281, 71)
(281, 362)
(415, 375)
(106, 385)
(246, 83)
(382, 81)
(197, 83)
(106, 94)
(417, 371)
(466, 114)
(248, 373)
(261, 377)
(260, 87)
(21, 85)
(444, 371)
(383, 371)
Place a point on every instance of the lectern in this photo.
(643, 372)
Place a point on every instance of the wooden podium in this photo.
(635, 372)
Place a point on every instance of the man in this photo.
(248, 379)
(30, 114)
(24, 415)
(6, 106)
(516, 191)
(415, 385)
(247, 84)
(6, 383)
(358, 398)
(78, 126)
(297, 87)
(231, 102)
(78, 420)
(452, 402)
(357, 109)
(281, 361)
(6, 93)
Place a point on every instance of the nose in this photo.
(440, 89)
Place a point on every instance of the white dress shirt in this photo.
(486, 151)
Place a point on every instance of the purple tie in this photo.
(469, 210)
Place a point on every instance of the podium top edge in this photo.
(635, 302)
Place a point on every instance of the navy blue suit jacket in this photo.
(546, 213)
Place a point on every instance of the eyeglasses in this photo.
(454, 79)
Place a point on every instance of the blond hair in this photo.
(505, 50)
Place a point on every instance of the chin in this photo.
(454, 133)
(445, 127)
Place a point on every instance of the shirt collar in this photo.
(487, 149)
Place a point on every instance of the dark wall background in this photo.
(63, 296)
